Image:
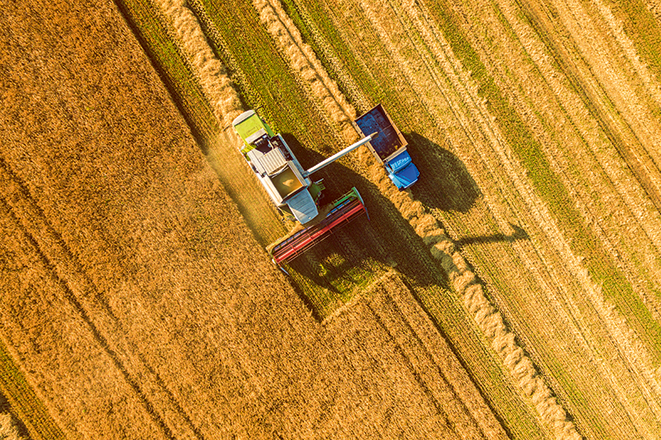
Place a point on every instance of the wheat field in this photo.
(512, 293)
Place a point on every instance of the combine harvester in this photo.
(290, 188)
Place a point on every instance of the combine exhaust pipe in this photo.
(339, 154)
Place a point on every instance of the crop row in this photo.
(24, 401)
(511, 126)
(319, 93)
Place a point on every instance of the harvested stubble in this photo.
(621, 382)
(489, 319)
(544, 90)
(576, 145)
(130, 304)
(307, 66)
(591, 134)
(211, 73)
(442, 248)
(390, 313)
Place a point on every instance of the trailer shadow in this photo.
(445, 182)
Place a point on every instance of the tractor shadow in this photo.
(446, 184)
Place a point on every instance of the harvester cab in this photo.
(276, 167)
(290, 188)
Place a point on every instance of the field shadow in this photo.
(518, 234)
(16, 423)
(445, 182)
(346, 261)
(338, 267)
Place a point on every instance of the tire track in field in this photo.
(601, 86)
(390, 316)
(427, 411)
(645, 373)
(610, 71)
(451, 430)
(436, 345)
(80, 292)
(629, 346)
(463, 279)
(71, 298)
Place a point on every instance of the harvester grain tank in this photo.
(290, 188)
(389, 148)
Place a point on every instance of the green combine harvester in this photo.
(290, 188)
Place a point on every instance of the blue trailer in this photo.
(389, 147)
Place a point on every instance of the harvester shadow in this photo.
(347, 257)
(387, 239)
(444, 183)
(328, 264)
